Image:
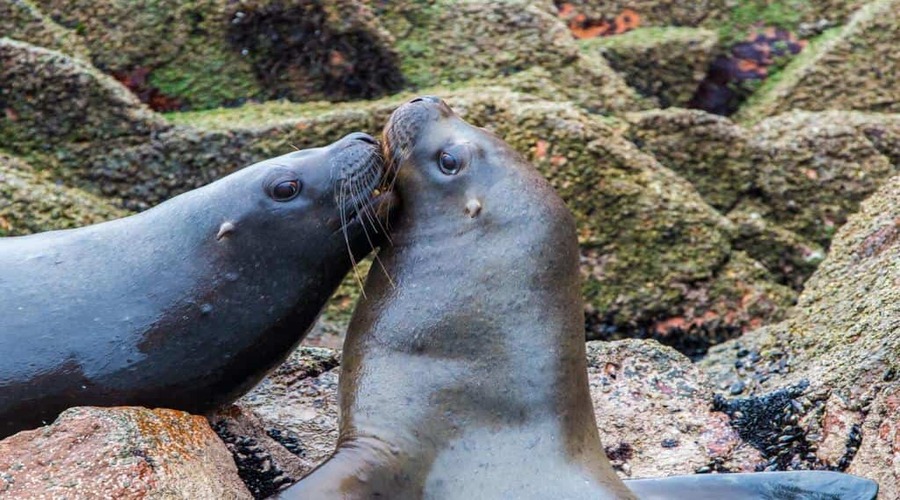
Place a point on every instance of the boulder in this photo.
(218, 52)
(22, 20)
(447, 42)
(855, 67)
(813, 169)
(836, 356)
(653, 407)
(124, 452)
(31, 204)
(50, 101)
(665, 64)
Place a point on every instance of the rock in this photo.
(654, 414)
(813, 170)
(709, 151)
(124, 452)
(219, 52)
(646, 12)
(787, 183)
(31, 204)
(299, 400)
(265, 457)
(788, 256)
(22, 20)
(652, 404)
(306, 50)
(838, 351)
(444, 43)
(852, 68)
(51, 101)
(662, 63)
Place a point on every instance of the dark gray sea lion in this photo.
(189, 304)
(464, 372)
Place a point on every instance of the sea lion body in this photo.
(187, 305)
(464, 374)
(468, 378)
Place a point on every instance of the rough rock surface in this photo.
(650, 12)
(443, 42)
(839, 350)
(853, 68)
(653, 407)
(218, 52)
(811, 172)
(654, 412)
(662, 63)
(22, 20)
(119, 453)
(30, 204)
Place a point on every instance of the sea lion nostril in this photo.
(426, 98)
(359, 136)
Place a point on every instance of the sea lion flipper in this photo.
(808, 485)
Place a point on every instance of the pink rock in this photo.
(122, 453)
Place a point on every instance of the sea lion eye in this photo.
(448, 163)
(286, 190)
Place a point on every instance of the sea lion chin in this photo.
(464, 371)
(189, 304)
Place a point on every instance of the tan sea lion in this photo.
(464, 372)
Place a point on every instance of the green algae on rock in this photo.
(813, 170)
(31, 204)
(707, 150)
(51, 100)
(662, 63)
(22, 20)
(851, 68)
(444, 42)
(218, 52)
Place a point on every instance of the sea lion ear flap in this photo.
(224, 230)
(757, 486)
(473, 207)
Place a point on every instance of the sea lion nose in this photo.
(360, 136)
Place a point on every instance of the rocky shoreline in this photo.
(763, 245)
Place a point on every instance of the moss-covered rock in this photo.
(444, 42)
(841, 345)
(22, 20)
(789, 257)
(799, 16)
(648, 12)
(50, 100)
(218, 52)
(852, 68)
(707, 150)
(662, 63)
(812, 170)
(31, 204)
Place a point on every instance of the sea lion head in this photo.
(455, 177)
(316, 198)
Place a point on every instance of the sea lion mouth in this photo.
(361, 192)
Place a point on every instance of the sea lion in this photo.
(464, 372)
(189, 304)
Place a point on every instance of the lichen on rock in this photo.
(855, 67)
(124, 452)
